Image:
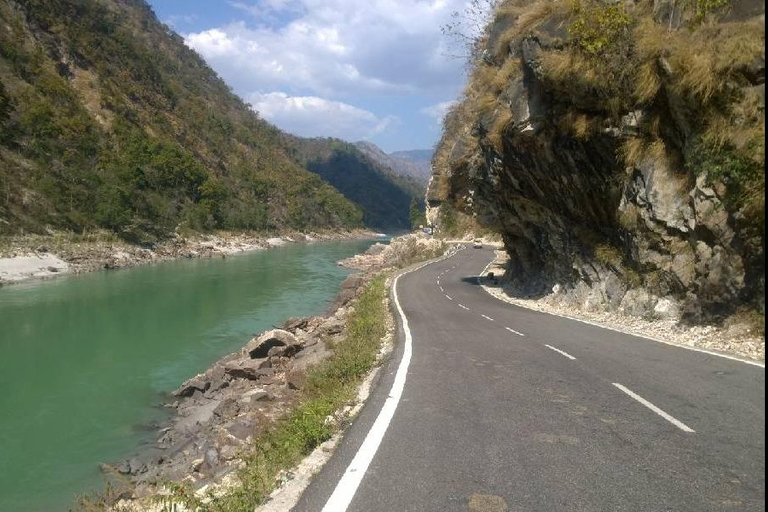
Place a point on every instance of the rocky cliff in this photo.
(619, 149)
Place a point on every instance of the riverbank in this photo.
(296, 383)
(735, 337)
(46, 256)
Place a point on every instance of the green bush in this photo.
(598, 27)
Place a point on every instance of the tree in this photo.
(417, 214)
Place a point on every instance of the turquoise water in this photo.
(85, 361)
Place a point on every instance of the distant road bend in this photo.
(489, 407)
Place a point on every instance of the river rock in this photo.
(258, 348)
(331, 326)
(248, 369)
(228, 408)
(188, 388)
(296, 379)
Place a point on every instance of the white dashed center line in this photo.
(679, 424)
(487, 317)
(462, 306)
(569, 356)
(449, 297)
(514, 331)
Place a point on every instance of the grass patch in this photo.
(330, 386)
(608, 255)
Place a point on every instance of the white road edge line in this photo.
(514, 331)
(679, 424)
(347, 487)
(487, 318)
(566, 354)
(645, 337)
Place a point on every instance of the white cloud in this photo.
(336, 48)
(438, 111)
(311, 116)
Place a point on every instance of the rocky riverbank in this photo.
(737, 337)
(35, 256)
(216, 415)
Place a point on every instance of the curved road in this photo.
(504, 408)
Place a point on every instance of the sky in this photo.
(377, 70)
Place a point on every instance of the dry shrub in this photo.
(648, 82)
(707, 60)
(528, 17)
(632, 150)
(505, 74)
(578, 124)
(500, 122)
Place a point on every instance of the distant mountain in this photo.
(108, 120)
(417, 156)
(415, 163)
(384, 195)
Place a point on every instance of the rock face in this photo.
(608, 183)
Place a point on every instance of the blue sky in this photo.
(373, 70)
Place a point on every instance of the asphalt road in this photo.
(505, 408)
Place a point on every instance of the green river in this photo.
(85, 361)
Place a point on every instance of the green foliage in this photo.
(449, 222)
(109, 120)
(5, 105)
(417, 214)
(608, 255)
(743, 176)
(599, 26)
(702, 8)
(383, 197)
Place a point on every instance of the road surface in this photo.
(500, 408)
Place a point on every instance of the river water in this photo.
(85, 361)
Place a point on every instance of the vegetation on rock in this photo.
(639, 127)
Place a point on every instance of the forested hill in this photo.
(388, 200)
(108, 120)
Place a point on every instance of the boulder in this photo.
(296, 379)
(227, 408)
(258, 348)
(331, 326)
(250, 369)
(294, 323)
(188, 388)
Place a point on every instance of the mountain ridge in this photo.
(108, 120)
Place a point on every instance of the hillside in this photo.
(107, 120)
(420, 158)
(619, 149)
(383, 195)
(415, 164)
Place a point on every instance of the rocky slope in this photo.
(380, 192)
(619, 150)
(415, 164)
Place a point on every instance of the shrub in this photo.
(598, 27)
